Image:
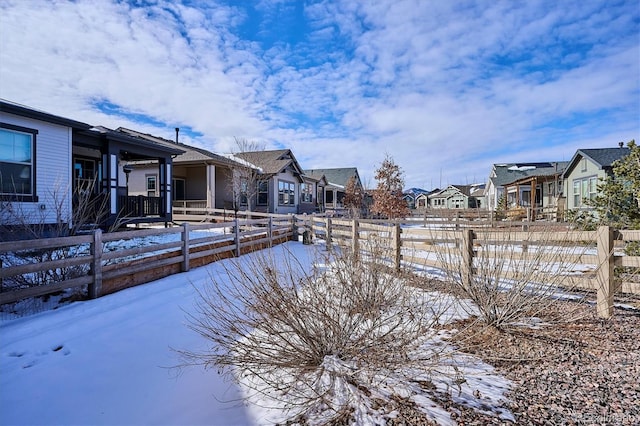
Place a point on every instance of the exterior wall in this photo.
(309, 207)
(451, 199)
(285, 176)
(223, 190)
(578, 174)
(138, 179)
(53, 177)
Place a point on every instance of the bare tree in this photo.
(245, 179)
(388, 198)
(353, 197)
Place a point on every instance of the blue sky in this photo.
(447, 88)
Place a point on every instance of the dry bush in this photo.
(88, 212)
(514, 275)
(320, 344)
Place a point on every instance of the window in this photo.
(306, 193)
(584, 189)
(263, 192)
(329, 197)
(286, 193)
(151, 186)
(583, 165)
(17, 162)
(84, 173)
(244, 187)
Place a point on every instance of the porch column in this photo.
(534, 184)
(211, 186)
(110, 180)
(165, 185)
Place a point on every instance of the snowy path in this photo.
(103, 362)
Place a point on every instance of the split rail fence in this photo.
(597, 253)
(105, 266)
(108, 262)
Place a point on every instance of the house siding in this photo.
(578, 174)
(53, 170)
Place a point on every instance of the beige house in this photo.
(454, 197)
(200, 178)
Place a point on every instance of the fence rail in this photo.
(105, 266)
(598, 252)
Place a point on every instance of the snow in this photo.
(110, 361)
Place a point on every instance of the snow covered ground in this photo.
(108, 362)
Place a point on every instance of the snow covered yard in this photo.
(108, 361)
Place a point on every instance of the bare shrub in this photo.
(329, 344)
(511, 275)
(89, 211)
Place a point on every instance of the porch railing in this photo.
(140, 206)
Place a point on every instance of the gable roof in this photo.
(463, 189)
(336, 176)
(25, 111)
(511, 172)
(187, 153)
(602, 157)
(271, 162)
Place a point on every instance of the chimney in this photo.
(620, 144)
(177, 132)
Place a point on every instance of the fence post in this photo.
(95, 287)
(270, 232)
(294, 234)
(328, 237)
(237, 237)
(605, 276)
(355, 234)
(185, 247)
(397, 246)
(466, 248)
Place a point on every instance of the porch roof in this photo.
(132, 148)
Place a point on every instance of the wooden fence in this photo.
(105, 269)
(596, 252)
(99, 261)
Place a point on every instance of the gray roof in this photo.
(189, 153)
(603, 157)
(509, 173)
(271, 162)
(338, 176)
(25, 111)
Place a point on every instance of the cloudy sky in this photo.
(446, 88)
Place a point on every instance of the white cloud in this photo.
(446, 88)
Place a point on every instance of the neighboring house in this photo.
(529, 184)
(411, 196)
(200, 178)
(454, 197)
(46, 159)
(585, 170)
(334, 191)
(422, 200)
(278, 189)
